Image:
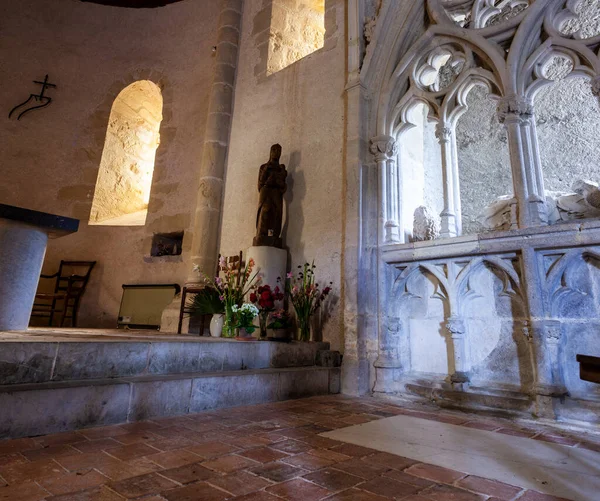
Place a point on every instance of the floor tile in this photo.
(195, 492)
(133, 451)
(436, 473)
(308, 461)
(28, 491)
(489, 487)
(278, 472)
(174, 459)
(334, 480)
(353, 450)
(73, 482)
(263, 454)
(356, 495)
(390, 460)
(101, 493)
(299, 490)
(34, 471)
(227, 464)
(213, 449)
(189, 473)
(388, 487)
(537, 496)
(142, 485)
(362, 469)
(291, 446)
(449, 493)
(240, 483)
(100, 444)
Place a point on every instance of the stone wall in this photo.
(51, 158)
(483, 159)
(300, 107)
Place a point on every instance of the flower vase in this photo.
(304, 329)
(216, 324)
(229, 323)
(262, 320)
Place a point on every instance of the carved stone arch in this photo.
(399, 286)
(400, 118)
(507, 271)
(556, 286)
(402, 78)
(564, 12)
(455, 102)
(480, 12)
(533, 78)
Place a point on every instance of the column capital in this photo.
(443, 132)
(455, 326)
(383, 147)
(516, 107)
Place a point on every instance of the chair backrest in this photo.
(238, 263)
(73, 276)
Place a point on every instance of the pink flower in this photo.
(290, 275)
(222, 262)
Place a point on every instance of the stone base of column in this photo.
(385, 379)
(270, 262)
(356, 376)
(460, 377)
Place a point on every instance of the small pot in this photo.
(280, 334)
(216, 324)
(243, 335)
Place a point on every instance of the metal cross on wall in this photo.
(41, 98)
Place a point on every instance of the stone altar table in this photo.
(24, 235)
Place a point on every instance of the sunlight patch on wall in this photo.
(297, 30)
(125, 175)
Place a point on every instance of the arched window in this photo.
(125, 175)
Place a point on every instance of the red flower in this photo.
(253, 297)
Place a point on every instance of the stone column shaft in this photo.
(462, 364)
(546, 339)
(207, 215)
(516, 113)
(443, 133)
(385, 150)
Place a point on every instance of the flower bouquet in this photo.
(280, 324)
(245, 316)
(231, 289)
(305, 296)
(265, 299)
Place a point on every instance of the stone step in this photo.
(54, 406)
(45, 361)
(476, 399)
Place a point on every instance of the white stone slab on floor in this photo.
(531, 464)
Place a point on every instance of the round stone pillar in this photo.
(22, 249)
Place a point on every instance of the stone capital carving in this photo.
(443, 132)
(456, 326)
(514, 106)
(383, 147)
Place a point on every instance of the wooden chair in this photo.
(195, 289)
(71, 280)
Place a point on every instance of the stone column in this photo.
(547, 337)
(516, 113)
(444, 134)
(207, 216)
(456, 183)
(462, 365)
(23, 249)
(385, 150)
(388, 360)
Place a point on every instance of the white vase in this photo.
(216, 324)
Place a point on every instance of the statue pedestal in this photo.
(270, 262)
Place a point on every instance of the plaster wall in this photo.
(50, 158)
(300, 107)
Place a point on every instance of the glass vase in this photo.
(229, 323)
(303, 329)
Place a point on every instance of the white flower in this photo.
(250, 309)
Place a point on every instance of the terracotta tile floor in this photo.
(258, 453)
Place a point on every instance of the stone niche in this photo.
(297, 30)
(125, 175)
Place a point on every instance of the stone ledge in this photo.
(50, 407)
(39, 362)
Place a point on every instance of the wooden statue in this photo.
(271, 187)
